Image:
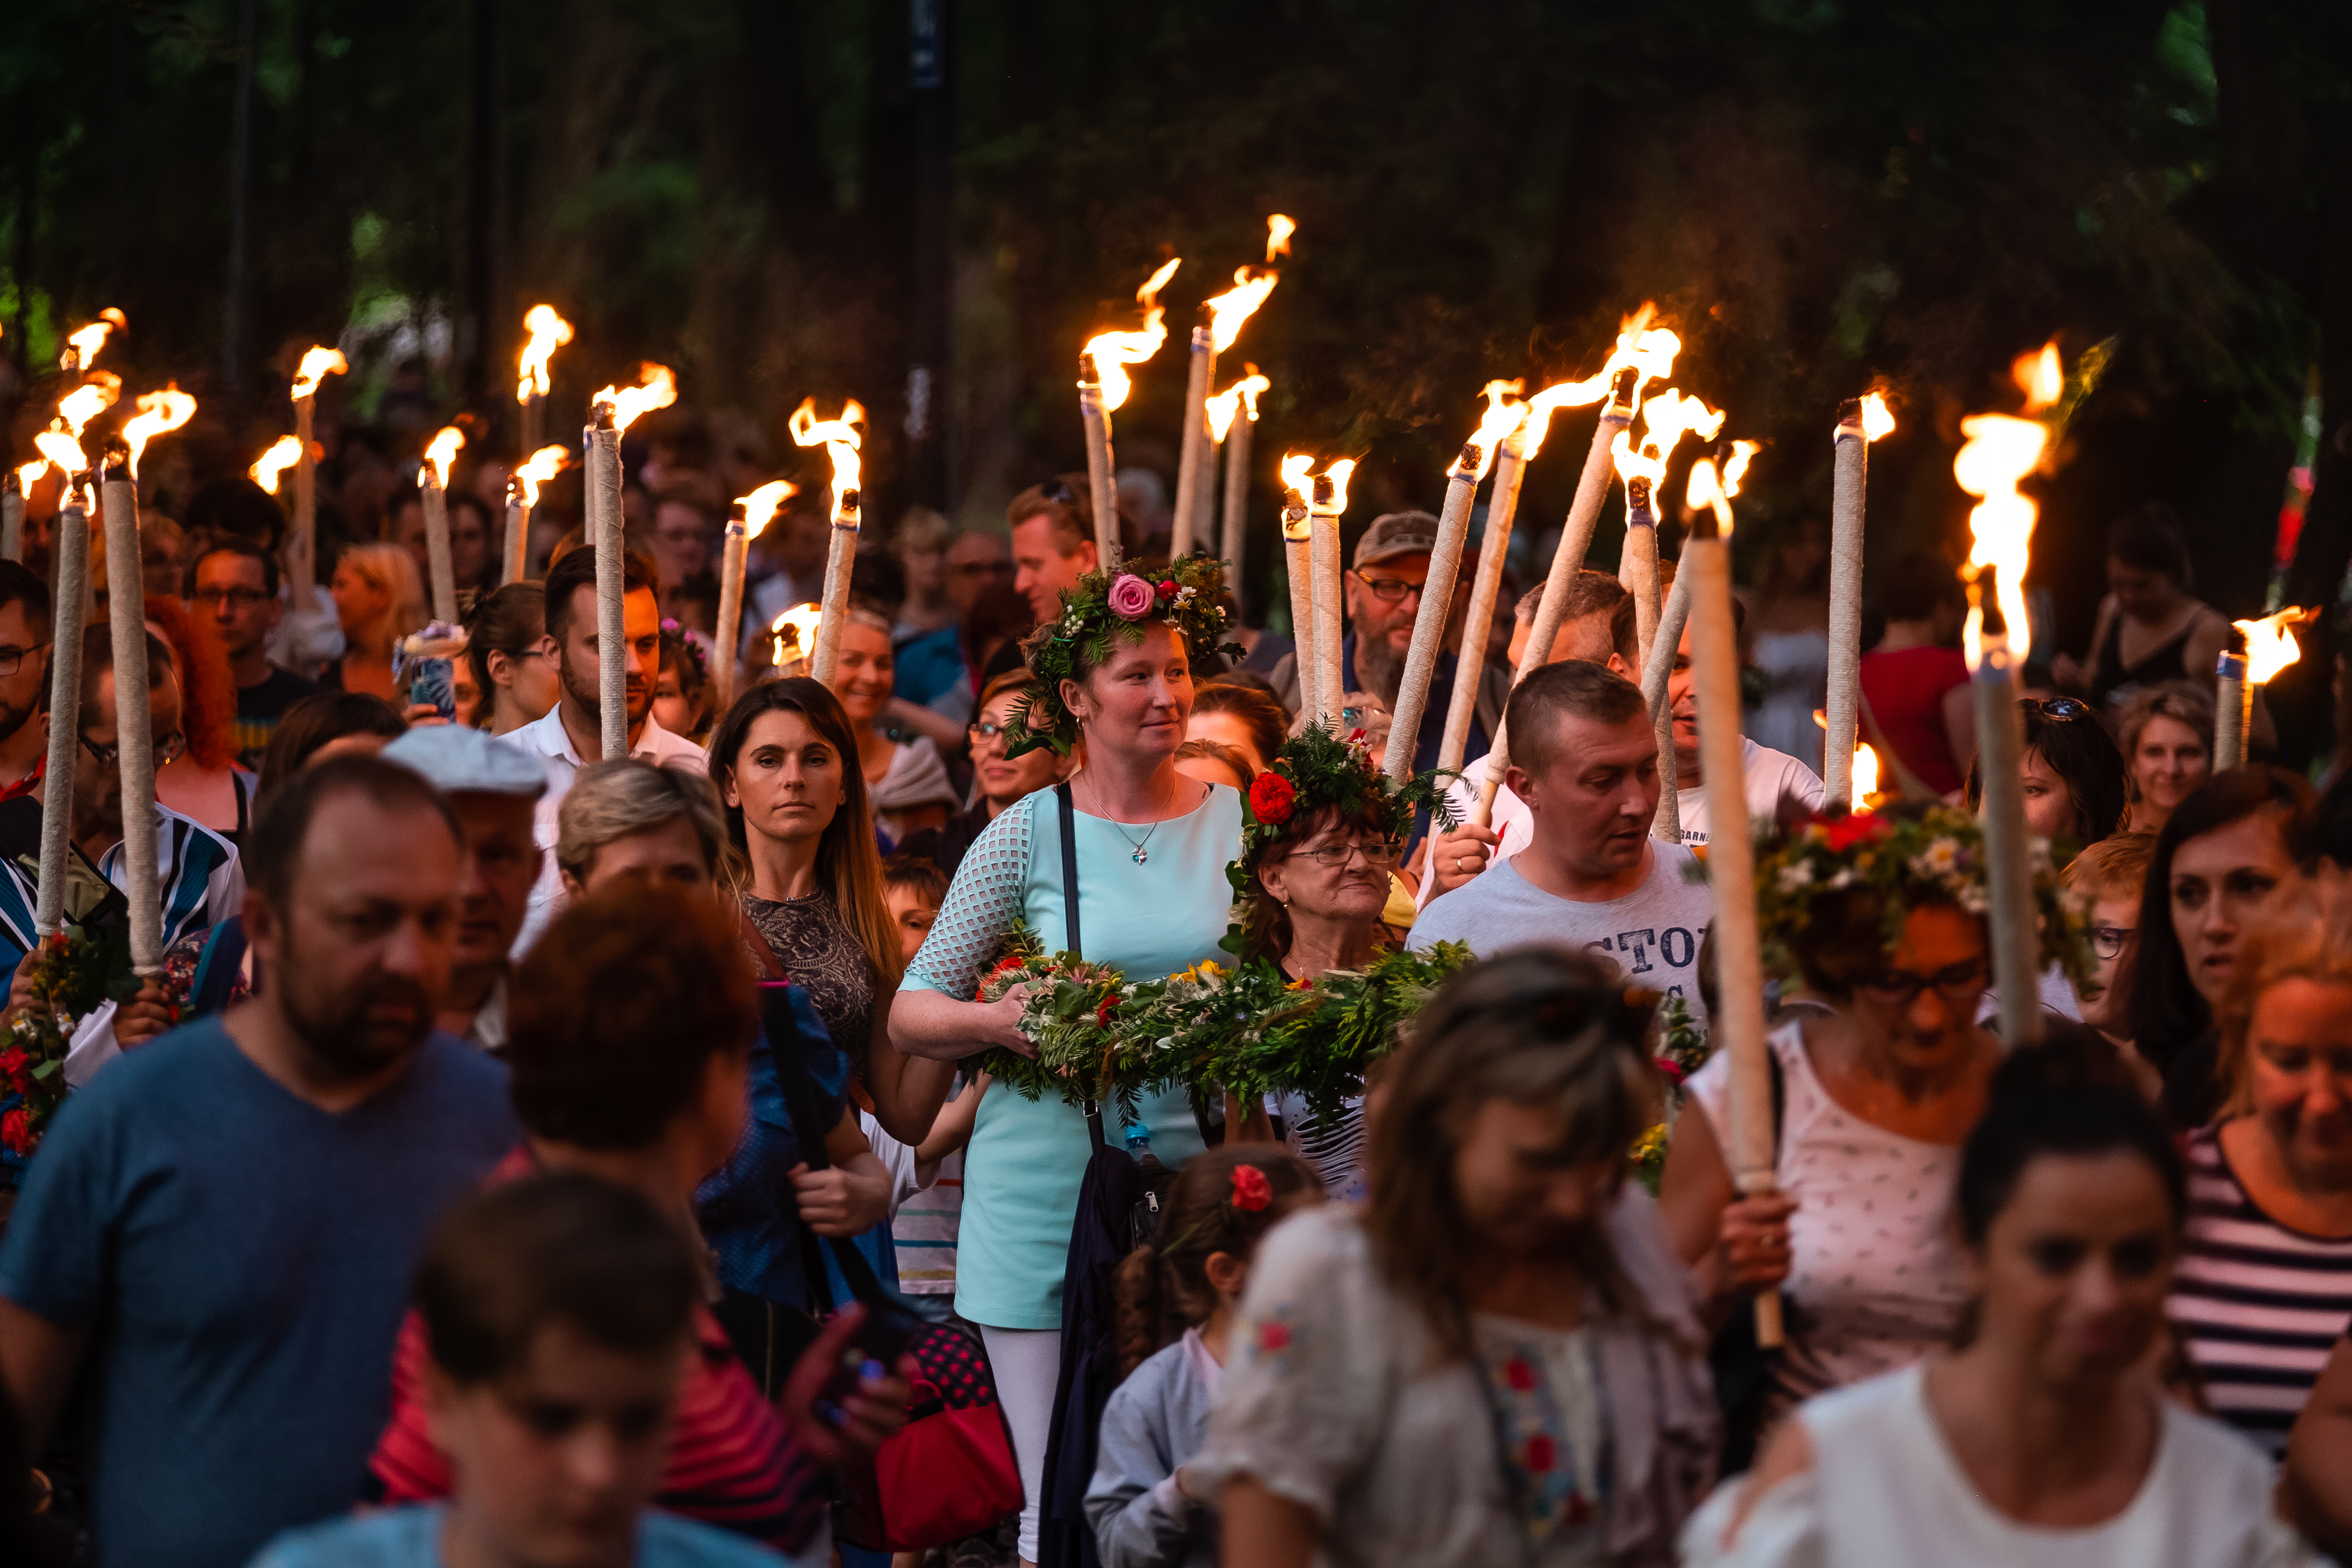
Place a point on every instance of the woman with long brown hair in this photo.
(1499, 1359)
(786, 764)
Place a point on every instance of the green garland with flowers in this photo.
(1103, 609)
(75, 972)
(1932, 856)
(1068, 1013)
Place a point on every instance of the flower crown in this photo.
(1101, 608)
(1909, 858)
(1315, 770)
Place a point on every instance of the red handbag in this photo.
(949, 1472)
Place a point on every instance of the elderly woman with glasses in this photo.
(1880, 919)
(997, 780)
(1325, 832)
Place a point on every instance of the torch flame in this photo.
(1878, 419)
(1300, 481)
(1279, 230)
(2000, 451)
(1228, 403)
(29, 474)
(318, 363)
(762, 505)
(159, 413)
(1504, 413)
(1649, 350)
(657, 388)
(1236, 305)
(548, 333)
(1112, 352)
(443, 451)
(795, 629)
(1665, 420)
(87, 402)
(1705, 490)
(543, 466)
(1865, 773)
(62, 450)
(270, 468)
(1735, 468)
(840, 443)
(86, 341)
(2039, 376)
(2270, 643)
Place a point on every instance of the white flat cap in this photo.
(458, 760)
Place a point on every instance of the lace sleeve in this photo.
(980, 906)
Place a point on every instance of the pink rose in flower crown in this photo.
(1131, 597)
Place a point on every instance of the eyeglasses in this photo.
(1331, 856)
(2061, 708)
(1901, 987)
(1388, 590)
(2107, 941)
(239, 598)
(986, 729)
(11, 659)
(168, 748)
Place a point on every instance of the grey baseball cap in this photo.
(1395, 533)
(457, 760)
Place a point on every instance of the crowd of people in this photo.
(529, 1155)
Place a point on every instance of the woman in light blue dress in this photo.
(1113, 671)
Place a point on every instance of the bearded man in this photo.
(225, 1220)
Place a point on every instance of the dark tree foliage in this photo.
(1820, 194)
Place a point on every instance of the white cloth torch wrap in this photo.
(1196, 459)
(1510, 468)
(840, 556)
(1237, 461)
(1436, 603)
(2231, 698)
(443, 572)
(134, 726)
(734, 554)
(1847, 493)
(1102, 485)
(1657, 678)
(1323, 521)
(72, 612)
(604, 480)
(2009, 870)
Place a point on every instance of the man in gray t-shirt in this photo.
(1585, 760)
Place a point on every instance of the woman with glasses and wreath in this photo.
(998, 780)
(1325, 832)
(1881, 918)
(1146, 850)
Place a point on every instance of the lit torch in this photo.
(548, 333)
(160, 412)
(1643, 353)
(840, 439)
(610, 412)
(1233, 440)
(2000, 451)
(1312, 531)
(1196, 464)
(1666, 419)
(126, 603)
(1504, 413)
(1102, 385)
(318, 363)
(69, 553)
(523, 499)
(1862, 766)
(83, 343)
(745, 519)
(2270, 647)
(268, 469)
(15, 486)
(1861, 421)
(433, 490)
(792, 634)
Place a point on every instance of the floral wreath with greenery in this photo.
(1315, 771)
(1909, 858)
(1104, 608)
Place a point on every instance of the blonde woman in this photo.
(379, 598)
(2167, 735)
(908, 781)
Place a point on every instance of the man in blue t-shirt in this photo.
(225, 1220)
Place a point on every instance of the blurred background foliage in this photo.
(1821, 195)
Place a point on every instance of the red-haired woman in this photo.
(196, 729)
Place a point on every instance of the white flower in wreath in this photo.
(1795, 874)
(1844, 879)
(1973, 898)
(1940, 858)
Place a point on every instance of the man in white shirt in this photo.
(1584, 763)
(1457, 856)
(571, 735)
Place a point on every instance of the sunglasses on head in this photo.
(1058, 492)
(2061, 708)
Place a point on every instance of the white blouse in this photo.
(1556, 1447)
(1876, 1276)
(1885, 1487)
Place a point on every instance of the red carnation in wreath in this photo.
(1843, 833)
(1252, 1191)
(1271, 796)
(1103, 1012)
(1168, 588)
(17, 1132)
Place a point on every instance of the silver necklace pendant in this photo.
(1139, 857)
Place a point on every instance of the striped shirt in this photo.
(198, 883)
(2258, 1307)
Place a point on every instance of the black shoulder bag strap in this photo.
(1069, 822)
